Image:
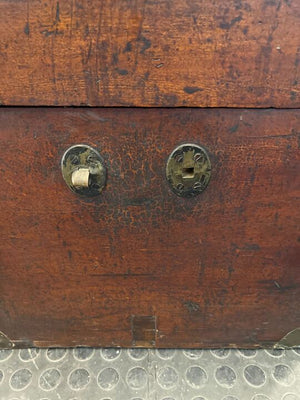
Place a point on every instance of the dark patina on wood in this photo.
(220, 269)
(200, 53)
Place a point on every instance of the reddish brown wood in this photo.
(203, 53)
(221, 269)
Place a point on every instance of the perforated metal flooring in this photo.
(141, 374)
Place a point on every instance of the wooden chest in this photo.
(181, 228)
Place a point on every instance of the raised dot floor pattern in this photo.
(147, 374)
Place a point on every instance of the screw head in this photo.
(179, 157)
(91, 158)
(74, 159)
(198, 157)
(180, 186)
(197, 186)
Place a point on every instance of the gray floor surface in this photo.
(147, 374)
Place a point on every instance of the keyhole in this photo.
(188, 173)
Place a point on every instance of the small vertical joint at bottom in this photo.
(143, 330)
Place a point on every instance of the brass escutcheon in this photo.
(188, 170)
(83, 170)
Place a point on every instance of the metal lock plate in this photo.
(83, 170)
(188, 170)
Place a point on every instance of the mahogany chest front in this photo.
(181, 228)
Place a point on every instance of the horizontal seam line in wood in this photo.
(147, 107)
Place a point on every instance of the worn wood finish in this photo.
(203, 53)
(221, 269)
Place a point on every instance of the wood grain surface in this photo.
(200, 53)
(139, 265)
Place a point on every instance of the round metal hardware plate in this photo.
(83, 170)
(188, 170)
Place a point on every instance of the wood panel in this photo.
(202, 53)
(139, 262)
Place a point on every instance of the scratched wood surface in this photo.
(202, 53)
(221, 269)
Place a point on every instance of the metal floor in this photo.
(142, 374)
